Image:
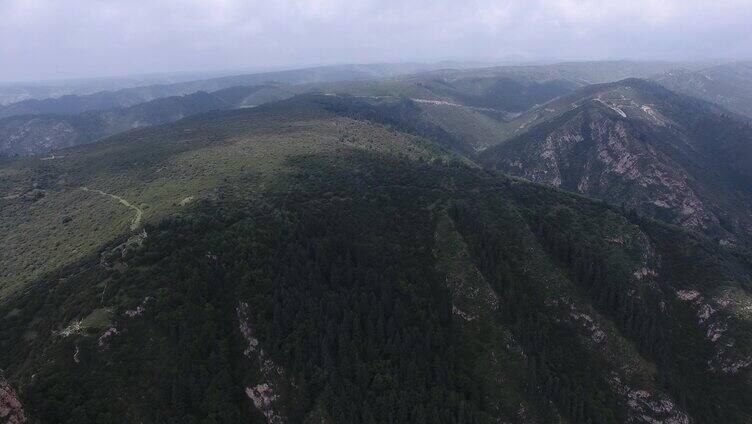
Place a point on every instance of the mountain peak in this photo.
(636, 144)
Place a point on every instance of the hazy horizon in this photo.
(190, 75)
(44, 40)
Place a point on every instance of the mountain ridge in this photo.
(637, 144)
(729, 85)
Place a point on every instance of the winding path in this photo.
(136, 222)
(448, 103)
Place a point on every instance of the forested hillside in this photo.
(329, 260)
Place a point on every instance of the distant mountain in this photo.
(441, 102)
(729, 85)
(473, 104)
(75, 104)
(34, 134)
(481, 106)
(634, 143)
(582, 73)
(13, 92)
(579, 73)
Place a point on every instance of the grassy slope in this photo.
(156, 169)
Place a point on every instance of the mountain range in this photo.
(41, 125)
(725, 84)
(74, 104)
(564, 243)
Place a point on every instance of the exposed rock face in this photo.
(637, 145)
(715, 316)
(650, 407)
(597, 335)
(25, 135)
(11, 411)
(29, 134)
(264, 395)
(104, 338)
(598, 155)
(138, 310)
(112, 331)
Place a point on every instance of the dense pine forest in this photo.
(371, 287)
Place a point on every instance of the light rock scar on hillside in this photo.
(11, 411)
(264, 395)
(112, 331)
(716, 316)
(609, 160)
(136, 222)
(649, 407)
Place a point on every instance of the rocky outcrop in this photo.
(716, 316)
(596, 153)
(641, 147)
(263, 395)
(11, 411)
(25, 135)
(649, 407)
(112, 331)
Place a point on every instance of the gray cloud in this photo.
(41, 39)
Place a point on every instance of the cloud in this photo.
(59, 39)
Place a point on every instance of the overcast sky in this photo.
(55, 39)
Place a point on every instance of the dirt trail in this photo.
(447, 103)
(612, 107)
(136, 222)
